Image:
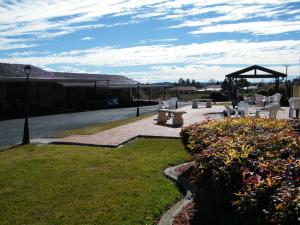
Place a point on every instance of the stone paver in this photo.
(148, 128)
(145, 127)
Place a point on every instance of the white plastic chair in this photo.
(164, 105)
(294, 106)
(243, 107)
(270, 111)
(260, 100)
(172, 102)
(275, 98)
(231, 112)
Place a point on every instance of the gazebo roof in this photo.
(268, 73)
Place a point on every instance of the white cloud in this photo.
(9, 44)
(40, 16)
(87, 38)
(25, 23)
(49, 19)
(200, 73)
(258, 28)
(158, 40)
(222, 53)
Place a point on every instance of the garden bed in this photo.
(247, 171)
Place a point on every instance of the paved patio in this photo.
(148, 128)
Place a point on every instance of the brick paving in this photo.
(149, 128)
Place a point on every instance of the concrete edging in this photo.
(57, 142)
(190, 189)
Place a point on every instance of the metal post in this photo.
(292, 88)
(138, 100)
(277, 84)
(164, 93)
(287, 85)
(149, 94)
(176, 106)
(26, 139)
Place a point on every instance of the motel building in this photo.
(56, 92)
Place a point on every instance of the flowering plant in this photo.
(255, 162)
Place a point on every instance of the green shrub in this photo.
(246, 168)
(218, 96)
(262, 92)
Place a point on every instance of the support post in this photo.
(95, 89)
(138, 101)
(176, 106)
(277, 84)
(26, 138)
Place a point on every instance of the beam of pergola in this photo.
(255, 76)
(240, 73)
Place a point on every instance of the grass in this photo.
(87, 130)
(50, 184)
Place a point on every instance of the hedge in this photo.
(248, 171)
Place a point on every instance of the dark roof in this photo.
(271, 73)
(183, 88)
(15, 72)
(104, 83)
(213, 86)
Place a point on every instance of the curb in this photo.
(190, 189)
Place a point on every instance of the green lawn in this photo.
(55, 184)
(101, 126)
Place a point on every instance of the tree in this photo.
(188, 82)
(193, 82)
(225, 85)
(181, 81)
(243, 82)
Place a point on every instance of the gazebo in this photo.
(243, 73)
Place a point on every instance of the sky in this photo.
(152, 40)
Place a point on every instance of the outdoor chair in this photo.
(243, 108)
(249, 100)
(294, 106)
(231, 112)
(164, 105)
(275, 98)
(260, 100)
(270, 111)
(172, 102)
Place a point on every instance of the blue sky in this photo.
(152, 40)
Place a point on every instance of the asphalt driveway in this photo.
(11, 131)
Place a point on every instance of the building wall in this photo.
(296, 90)
(45, 98)
(2, 97)
(46, 95)
(40, 95)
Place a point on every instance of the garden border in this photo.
(190, 189)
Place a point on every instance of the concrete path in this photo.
(146, 128)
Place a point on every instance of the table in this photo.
(195, 103)
(163, 116)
